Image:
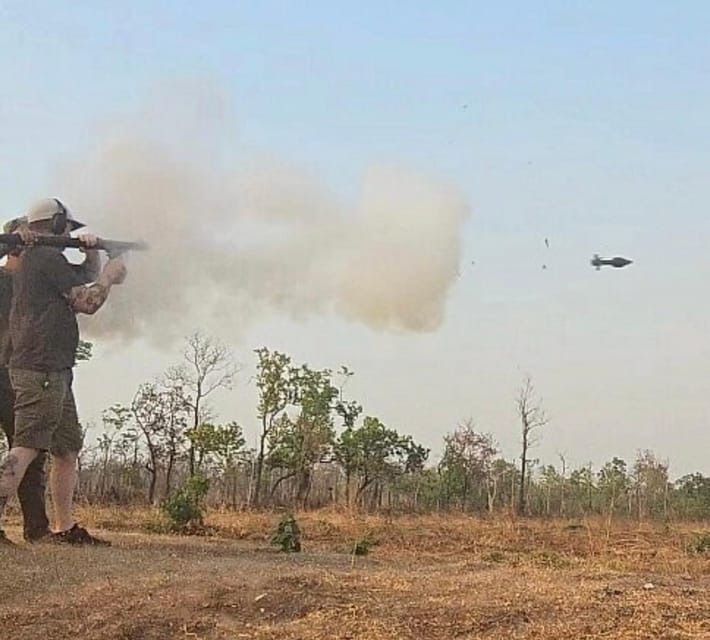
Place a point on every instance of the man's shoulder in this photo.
(41, 250)
(43, 269)
(40, 254)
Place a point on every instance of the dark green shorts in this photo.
(45, 412)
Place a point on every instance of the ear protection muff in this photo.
(59, 219)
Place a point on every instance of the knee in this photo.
(64, 458)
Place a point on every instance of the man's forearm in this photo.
(91, 267)
(89, 298)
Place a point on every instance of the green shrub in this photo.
(701, 542)
(287, 535)
(184, 508)
(494, 556)
(362, 546)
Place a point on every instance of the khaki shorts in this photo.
(45, 412)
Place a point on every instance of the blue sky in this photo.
(583, 122)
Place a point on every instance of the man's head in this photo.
(12, 252)
(13, 225)
(50, 216)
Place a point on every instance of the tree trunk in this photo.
(303, 487)
(259, 468)
(169, 473)
(665, 501)
(464, 497)
(491, 490)
(522, 496)
(195, 424)
(361, 490)
(104, 473)
(590, 490)
(563, 485)
(153, 481)
(278, 482)
(234, 490)
(348, 473)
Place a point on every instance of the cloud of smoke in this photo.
(232, 238)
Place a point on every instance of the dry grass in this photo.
(428, 577)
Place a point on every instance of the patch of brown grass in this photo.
(433, 576)
(447, 535)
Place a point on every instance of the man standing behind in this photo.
(32, 488)
(31, 491)
(45, 335)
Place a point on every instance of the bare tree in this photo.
(532, 417)
(208, 365)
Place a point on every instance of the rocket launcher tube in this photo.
(112, 247)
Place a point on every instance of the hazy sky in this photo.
(587, 125)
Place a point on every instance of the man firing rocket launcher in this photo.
(61, 225)
(47, 294)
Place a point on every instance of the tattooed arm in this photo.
(90, 298)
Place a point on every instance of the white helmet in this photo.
(53, 209)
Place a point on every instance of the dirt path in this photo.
(159, 587)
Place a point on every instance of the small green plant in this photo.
(287, 535)
(494, 557)
(362, 546)
(701, 543)
(184, 509)
(552, 560)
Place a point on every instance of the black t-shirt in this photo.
(5, 303)
(43, 328)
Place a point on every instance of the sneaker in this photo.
(5, 541)
(78, 536)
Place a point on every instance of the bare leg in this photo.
(63, 481)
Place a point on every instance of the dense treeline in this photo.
(316, 447)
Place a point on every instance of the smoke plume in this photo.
(233, 237)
